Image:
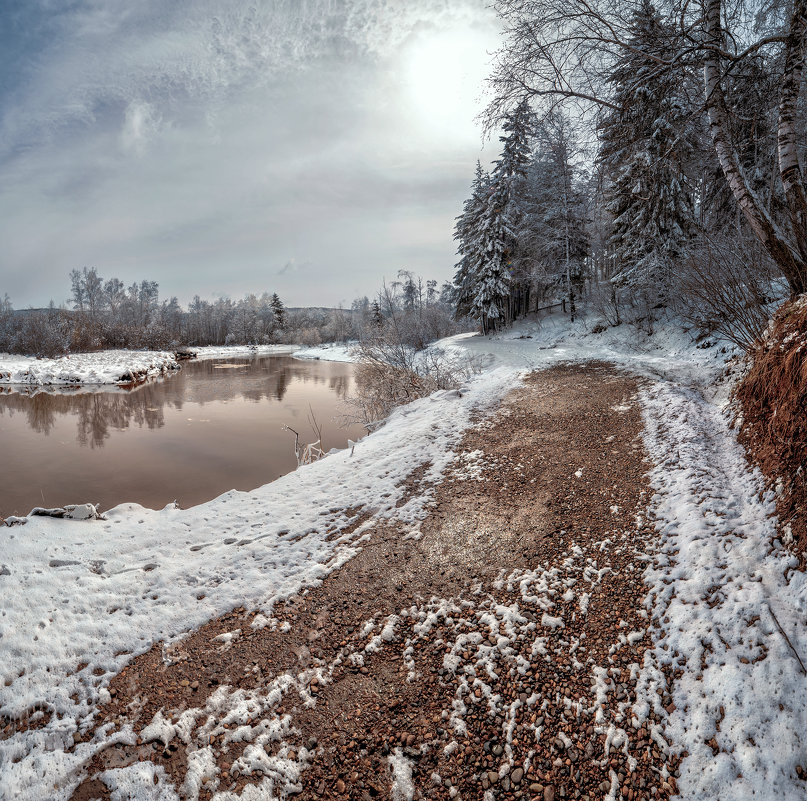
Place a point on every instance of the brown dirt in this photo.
(773, 398)
(521, 585)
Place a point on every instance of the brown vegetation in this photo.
(773, 396)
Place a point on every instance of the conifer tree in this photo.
(376, 317)
(278, 311)
(466, 232)
(486, 228)
(644, 150)
(552, 242)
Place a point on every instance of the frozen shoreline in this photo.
(121, 367)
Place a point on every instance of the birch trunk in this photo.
(789, 259)
(789, 166)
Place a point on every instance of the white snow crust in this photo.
(81, 369)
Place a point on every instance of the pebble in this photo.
(517, 775)
(549, 793)
(340, 786)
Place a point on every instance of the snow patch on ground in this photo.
(740, 704)
(329, 351)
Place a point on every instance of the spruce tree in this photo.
(278, 311)
(552, 241)
(466, 232)
(644, 151)
(497, 238)
(376, 317)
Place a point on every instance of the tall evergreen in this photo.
(486, 229)
(466, 232)
(553, 242)
(644, 150)
(278, 311)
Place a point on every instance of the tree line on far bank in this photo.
(108, 314)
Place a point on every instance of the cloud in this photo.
(197, 142)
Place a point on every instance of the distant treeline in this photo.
(107, 314)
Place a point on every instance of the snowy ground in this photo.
(721, 585)
(125, 366)
(329, 352)
(103, 367)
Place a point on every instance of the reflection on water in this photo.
(212, 427)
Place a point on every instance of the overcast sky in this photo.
(307, 147)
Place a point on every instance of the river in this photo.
(215, 425)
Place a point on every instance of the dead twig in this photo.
(787, 639)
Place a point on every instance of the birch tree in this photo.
(557, 52)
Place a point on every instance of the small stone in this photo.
(497, 750)
(505, 783)
(340, 786)
(536, 787)
(493, 777)
(549, 793)
(194, 685)
(184, 683)
(517, 775)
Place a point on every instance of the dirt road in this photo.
(493, 654)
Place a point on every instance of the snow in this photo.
(329, 351)
(401, 769)
(103, 367)
(99, 591)
(124, 366)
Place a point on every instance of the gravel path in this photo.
(496, 653)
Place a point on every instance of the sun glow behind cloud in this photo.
(205, 143)
(445, 72)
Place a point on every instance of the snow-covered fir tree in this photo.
(278, 311)
(644, 149)
(466, 233)
(486, 229)
(552, 240)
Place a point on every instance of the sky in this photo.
(306, 147)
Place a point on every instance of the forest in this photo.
(650, 154)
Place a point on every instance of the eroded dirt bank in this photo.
(493, 655)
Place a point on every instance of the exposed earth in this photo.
(494, 654)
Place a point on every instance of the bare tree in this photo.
(559, 51)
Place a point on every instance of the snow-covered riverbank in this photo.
(127, 366)
(83, 596)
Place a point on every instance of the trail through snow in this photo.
(81, 591)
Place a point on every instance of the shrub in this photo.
(391, 373)
(728, 286)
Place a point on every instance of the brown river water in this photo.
(211, 427)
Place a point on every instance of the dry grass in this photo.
(773, 396)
